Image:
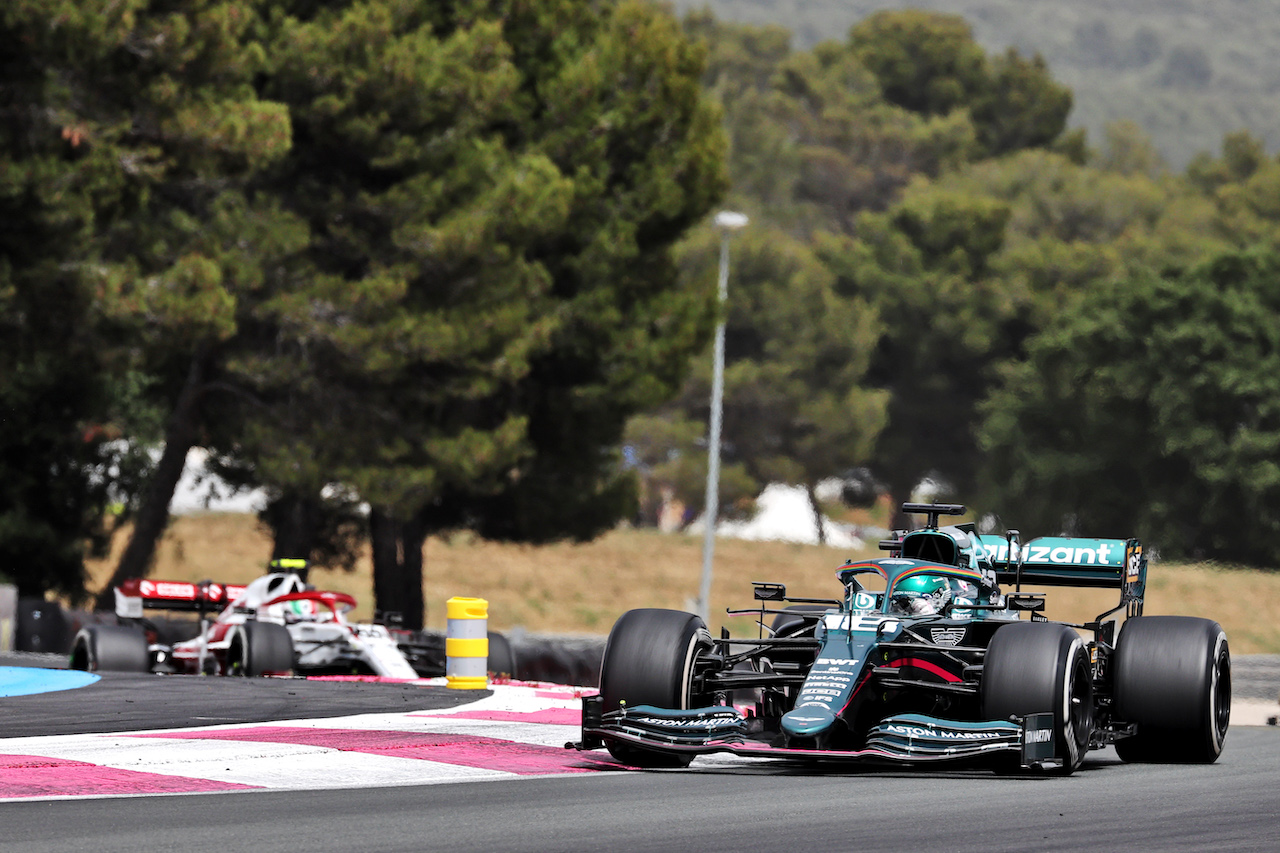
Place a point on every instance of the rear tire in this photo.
(260, 648)
(110, 648)
(1038, 668)
(1173, 680)
(648, 660)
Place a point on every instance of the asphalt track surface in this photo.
(1229, 806)
(121, 702)
(1233, 805)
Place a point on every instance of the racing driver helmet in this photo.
(921, 595)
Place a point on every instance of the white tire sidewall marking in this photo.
(1215, 674)
(687, 675)
(1068, 721)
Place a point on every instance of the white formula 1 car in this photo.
(275, 625)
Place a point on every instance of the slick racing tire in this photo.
(260, 648)
(1173, 681)
(114, 648)
(648, 660)
(1042, 667)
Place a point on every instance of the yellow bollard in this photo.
(466, 643)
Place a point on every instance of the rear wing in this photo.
(1070, 561)
(137, 594)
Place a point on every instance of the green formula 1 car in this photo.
(924, 659)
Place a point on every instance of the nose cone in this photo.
(807, 722)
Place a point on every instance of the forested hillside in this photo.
(1186, 71)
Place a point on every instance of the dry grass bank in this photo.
(584, 588)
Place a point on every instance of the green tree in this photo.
(813, 140)
(925, 266)
(183, 243)
(925, 62)
(126, 124)
(1022, 106)
(967, 267)
(796, 351)
(52, 496)
(487, 291)
(668, 450)
(930, 64)
(854, 150)
(814, 145)
(824, 145)
(1129, 151)
(1242, 156)
(1150, 410)
(48, 391)
(797, 409)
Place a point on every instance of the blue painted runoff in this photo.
(26, 680)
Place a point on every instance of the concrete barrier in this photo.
(560, 659)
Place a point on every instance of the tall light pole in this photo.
(726, 223)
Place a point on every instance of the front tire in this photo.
(1173, 680)
(1042, 667)
(260, 648)
(648, 660)
(116, 648)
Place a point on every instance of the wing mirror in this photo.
(769, 591)
(1032, 602)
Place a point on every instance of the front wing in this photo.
(907, 738)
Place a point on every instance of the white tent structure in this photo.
(783, 514)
